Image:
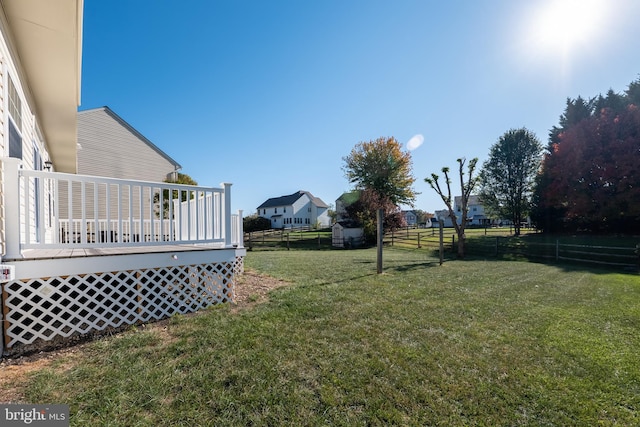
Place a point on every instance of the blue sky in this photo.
(271, 95)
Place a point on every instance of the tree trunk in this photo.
(461, 241)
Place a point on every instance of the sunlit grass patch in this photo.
(467, 343)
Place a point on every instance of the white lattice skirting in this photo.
(44, 309)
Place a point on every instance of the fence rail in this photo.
(301, 237)
(483, 244)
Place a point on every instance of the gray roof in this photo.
(291, 199)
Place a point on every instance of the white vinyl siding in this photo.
(21, 139)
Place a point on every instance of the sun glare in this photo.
(564, 25)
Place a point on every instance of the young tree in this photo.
(382, 170)
(466, 188)
(507, 177)
(364, 212)
(178, 178)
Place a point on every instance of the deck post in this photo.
(226, 221)
(12, 210)
(240, 230)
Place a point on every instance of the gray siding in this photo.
(110, 147)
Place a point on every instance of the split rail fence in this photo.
(611, 256)
(302, 238)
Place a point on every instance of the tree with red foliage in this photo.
(364, 212)
(590, 179)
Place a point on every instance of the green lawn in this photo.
(474, 342)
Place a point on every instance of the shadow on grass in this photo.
(566, 266)
(410, 267)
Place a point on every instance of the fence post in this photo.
(392, 236)
(453, 243)
(497, 243)
(557, 249)
(380, 232)
(419, 246)
(288, 248)
(441, 227)
(318, 240)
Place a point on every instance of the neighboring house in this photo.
(442, 216)
(300, 209)
(346, 232)
(475, 211)
(410, 217)
(344, 201)
(64, 276)
(476, 215)
(105, 144)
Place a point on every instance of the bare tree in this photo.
(466, 189)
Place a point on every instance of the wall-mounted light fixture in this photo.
(47, 165)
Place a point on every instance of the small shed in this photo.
(347, 234)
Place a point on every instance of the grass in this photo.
(475, 342)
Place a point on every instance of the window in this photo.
(15, 123)
(285, 209)
(275, 210)
(15, 142)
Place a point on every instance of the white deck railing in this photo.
(58, 210)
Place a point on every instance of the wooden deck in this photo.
(42, 254)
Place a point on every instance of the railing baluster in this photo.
(98, 214)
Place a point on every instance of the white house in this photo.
(77, 273)
(476, 214)
(442, 215)
(300, 209)
(475, 210)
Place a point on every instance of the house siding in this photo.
(31, 138)
(300, 209)
(110, 147)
